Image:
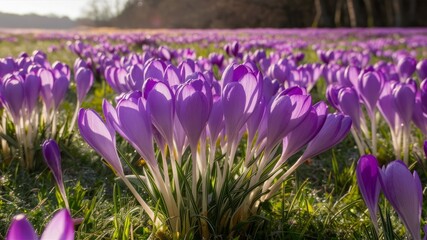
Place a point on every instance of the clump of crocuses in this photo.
(196, 124)
(401, 188)
(31, 92)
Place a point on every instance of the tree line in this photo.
(256, 13)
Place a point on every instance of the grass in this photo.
(320, 201)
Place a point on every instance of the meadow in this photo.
(214, 134)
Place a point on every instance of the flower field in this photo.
(213, 134)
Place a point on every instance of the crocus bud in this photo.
(367, 173)
(305, 132)
(425, 148)
(406, 67)
(139, 135)
(136, 77)
(172, 76)
(423, 94)
(239, 98)
(284, 113)
(193, 107)
(422, 69)
(47, 81)
(333, 131)
(59, 90)
(32, 85)
(154, 69)
(20, 229)
(350, 105)
(404, 192)
(100, 137)
(332, 96)
(216, 118)
(370, 88)
(161, 102)
(52, 157)
(387, 107)
(404, 100)
(84, 81)
(12, 93)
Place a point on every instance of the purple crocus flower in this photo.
(305, 132)
(404, 100)
(332, 96)
(32, 85)
(61, 227)
(52, 157)
(59, 90)
(216, 119)
(161, 102)
(404, 192)
(100, 137)
(84, 81)
(406, 67)
(333, 131)
(370, 88)
(291, 109)
(154, 69)
(280, 72)
(419, 117)
(425, 148)
(422, 69)
(239, 98)
(350, 105)
(12, 93)
(367, 173)
(139, 135)
(47, 82)
(193, 106)
(423, 95)
(172, 75)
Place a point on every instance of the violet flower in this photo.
(61, 227)
(52, 157)
(367, 173)
(404, 192)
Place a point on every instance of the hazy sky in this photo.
(69, 8)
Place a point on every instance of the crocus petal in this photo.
(100, 137)
(47, 81)
(32, 85)
(84, 81)
(52, 157)
(239, 100)
(422, 69)
(305, 132)
(13, 94)
(404, 97)
(370, 87)
(193, 106)
(216, 119)
(333, 131)
(160, 100)
(21, 229)
(406, 67)
(61, 227)
(139, 135)
(349, 105)
(367, 173)
(59, 90)
(403, 190)
(284, 113)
